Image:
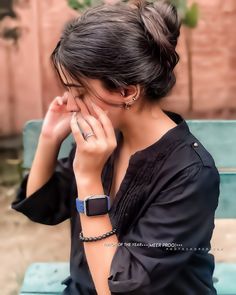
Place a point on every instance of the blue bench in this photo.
(218, 136)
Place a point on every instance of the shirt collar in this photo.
(162, 146)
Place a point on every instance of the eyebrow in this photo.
(73, 85)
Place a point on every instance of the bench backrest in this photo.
(218, 137)
(31, 132)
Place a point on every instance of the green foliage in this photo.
(181, 6)
(83, 4)
(77, 5)
(189, 15)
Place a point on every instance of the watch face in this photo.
(96, 206)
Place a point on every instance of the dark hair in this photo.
(122, 44)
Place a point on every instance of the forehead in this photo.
(93, 86)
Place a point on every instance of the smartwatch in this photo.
(94, 205)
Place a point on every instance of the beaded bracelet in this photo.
(91, 239)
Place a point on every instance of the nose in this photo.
(71, 104)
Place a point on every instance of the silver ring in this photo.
(86, 135)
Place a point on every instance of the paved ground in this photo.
(23, 242)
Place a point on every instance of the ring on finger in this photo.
(86, 135)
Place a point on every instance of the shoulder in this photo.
(189, 152)
(188, 162)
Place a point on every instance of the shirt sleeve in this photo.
(181, 216)
(50, 204)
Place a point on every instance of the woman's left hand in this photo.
(92, 154)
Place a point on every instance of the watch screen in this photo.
(96, 206)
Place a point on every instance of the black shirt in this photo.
(165, 250)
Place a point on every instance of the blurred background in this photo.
(29, 31)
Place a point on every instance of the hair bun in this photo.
(160, 20)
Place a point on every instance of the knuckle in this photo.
(114, 144)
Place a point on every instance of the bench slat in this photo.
(227, 199)
(218, 137)
(45, 278)
(224, 278)
(31, 132)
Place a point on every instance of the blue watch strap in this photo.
(80, 204)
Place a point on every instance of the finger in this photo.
(105, 121)
(59, 100)
(90, 108)
(86, 128)
(76, 130)
(55, 105)
(96, 126)
(65, 97)
(62, 99)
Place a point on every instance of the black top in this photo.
(179, 185)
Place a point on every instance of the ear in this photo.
(132, 91)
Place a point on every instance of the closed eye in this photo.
(81, 96)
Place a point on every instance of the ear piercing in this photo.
(129, 103)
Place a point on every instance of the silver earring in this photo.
(129, 103)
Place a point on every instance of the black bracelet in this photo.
(91, 239)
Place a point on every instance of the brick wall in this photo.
(28, 83)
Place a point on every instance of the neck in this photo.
(140, 130)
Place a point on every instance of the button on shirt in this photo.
(165, 247)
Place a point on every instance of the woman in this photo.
(155, 184)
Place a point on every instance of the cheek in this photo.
(97, 102)
(115, 113)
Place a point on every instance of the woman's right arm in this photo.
(43, 165)
(55, 128)
(47, 198)
(44, 194)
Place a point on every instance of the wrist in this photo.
(89, 186)
(87, 180)
(48, 147)
(49, 140)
